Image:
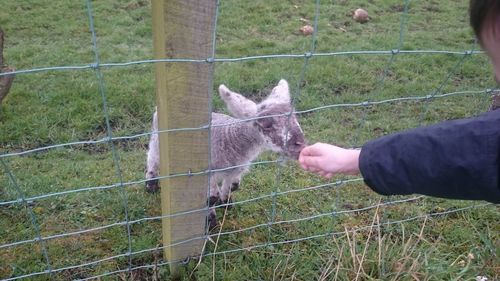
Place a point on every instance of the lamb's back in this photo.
(232, 141)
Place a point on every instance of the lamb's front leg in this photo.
(153, 162)
(214, 190)
(213, 199)
(230, 184)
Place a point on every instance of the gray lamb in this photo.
(237, 143)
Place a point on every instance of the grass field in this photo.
(53, 107)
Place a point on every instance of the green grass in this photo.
(54, 107)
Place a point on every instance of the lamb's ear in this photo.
(238, 105)
(280, 93)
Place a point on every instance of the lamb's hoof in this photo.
(152, 186)
(212, 221)
(235, 186)
(213, 200)
(229, 203)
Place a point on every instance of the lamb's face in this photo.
(282, 133)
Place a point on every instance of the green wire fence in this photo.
(126, 223)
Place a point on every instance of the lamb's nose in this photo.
(300, 145)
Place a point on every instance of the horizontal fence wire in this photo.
(126, 223)
(238, 59)
(248, 248)
(254, 199)
(487, 92)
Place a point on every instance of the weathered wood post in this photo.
(183, 29)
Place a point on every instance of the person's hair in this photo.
(483, 12)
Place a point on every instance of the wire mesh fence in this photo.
(47, 233)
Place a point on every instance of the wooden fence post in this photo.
(183, 29)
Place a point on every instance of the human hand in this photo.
(328, 160)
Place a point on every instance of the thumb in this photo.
(312, 150)
(309, 162)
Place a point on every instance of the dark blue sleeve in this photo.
(456, 159)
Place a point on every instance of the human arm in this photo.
(454, 159)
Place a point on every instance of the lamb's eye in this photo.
(265, 123)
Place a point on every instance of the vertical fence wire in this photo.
(443, 83)
(295, 94)
(378, 88)
(31, 214)
(380, 82)
(210, 109)
(109, 132)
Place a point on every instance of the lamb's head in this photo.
(275, 119)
